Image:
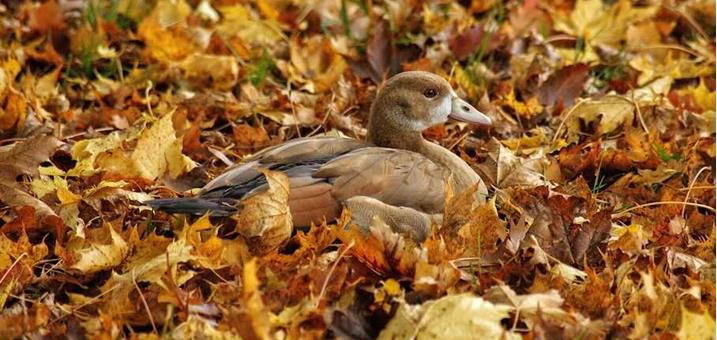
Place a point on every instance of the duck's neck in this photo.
(386, 129)
(463, 175)
(386, 132)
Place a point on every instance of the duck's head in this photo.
(417, 100)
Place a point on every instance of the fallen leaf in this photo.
(91, 256)
(528, 305)
(211, 71)
(451, 317)
(23, 159)
(165, 32)
(592, 21)
(503, 168)
(315, 63)
(264, 219)
(611, 112)
(564, 85)
(157, 152)
(379, 248)
(696, 325)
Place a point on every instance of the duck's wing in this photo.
(395, 177)
(297, 158)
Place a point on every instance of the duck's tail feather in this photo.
(196, 206)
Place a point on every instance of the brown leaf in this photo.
(379, 52)
(47, 17)
(463, 44)
(564, 85)
(23, 158)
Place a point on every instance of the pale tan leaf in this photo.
(462, 316)
(264, 219)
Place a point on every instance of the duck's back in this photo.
(324, 172)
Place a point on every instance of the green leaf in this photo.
(262, 67)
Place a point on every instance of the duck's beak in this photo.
(464, 112)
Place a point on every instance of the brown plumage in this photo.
(395, 175)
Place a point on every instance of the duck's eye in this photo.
(430, 93)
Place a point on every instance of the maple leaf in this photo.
(17, 258)
(90, 256)
(203, 71)
(157, 152)
(504, 169)
(381, 249)
(696, 325)
(528, 305)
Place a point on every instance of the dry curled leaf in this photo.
(20, 159)
(264, 219)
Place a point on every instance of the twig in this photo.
(562, 122)
(689, 189)
(672, 47)
(639, 113)
(331, 272)
(698, 187)
(293, 109)
(7, 272)
(616, 215)
(146, 306)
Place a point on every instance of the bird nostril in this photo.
(465, 108)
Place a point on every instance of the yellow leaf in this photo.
(651, 67)
(158, 151)
(211, 71)
(696, 326)
(527, 110)
(392, 287)
(96, 257)
(144, 268)
(315, 63)
(596, 24)
(703, 97)
(14, 110)
(257, 34)
(65, 195)
(85, 152)
(166, 33)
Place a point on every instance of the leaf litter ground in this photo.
(601, 167)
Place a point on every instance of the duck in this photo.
(395, 174)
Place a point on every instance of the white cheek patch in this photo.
(441, 112)
(438, 115)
